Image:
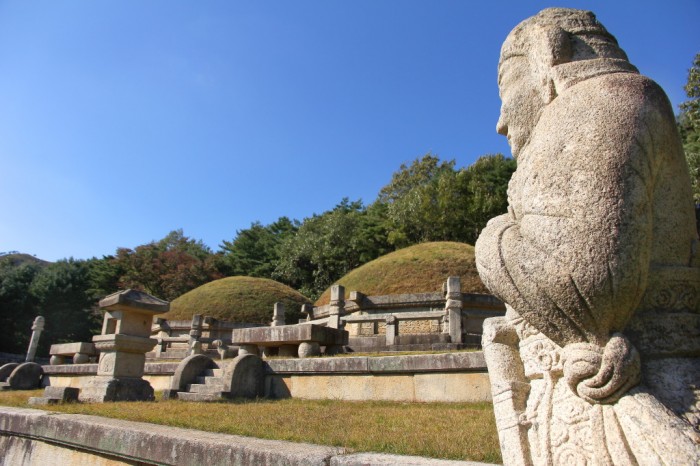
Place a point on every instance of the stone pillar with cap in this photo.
(123, 345)
(278, 315)
(336, 307)
(453, 308)
(37, 328)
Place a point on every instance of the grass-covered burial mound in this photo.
(415, 269)
(238, 299)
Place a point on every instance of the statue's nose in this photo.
(502, 126)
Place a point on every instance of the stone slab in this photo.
(63, 393)
(54, 395)
(155, 444)
(289, 334)
(69, 349)
(341, 365)
(103, 388)
(429, 362)
(451, 387)
(353, 387)
(445, 388)
(446, 362)
(153, 368)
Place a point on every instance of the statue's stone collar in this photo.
(568, 74)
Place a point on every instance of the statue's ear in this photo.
(550, 46)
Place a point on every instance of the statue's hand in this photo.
(602, 375)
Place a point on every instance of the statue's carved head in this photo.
(527, 70)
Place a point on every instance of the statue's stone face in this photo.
(521, 102)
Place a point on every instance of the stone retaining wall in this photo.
(447, 377)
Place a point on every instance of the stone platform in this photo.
(303, 340)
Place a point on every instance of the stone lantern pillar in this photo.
(123, 345)
(37, 328)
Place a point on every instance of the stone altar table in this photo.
(302, 340)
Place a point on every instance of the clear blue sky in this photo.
(123, 120)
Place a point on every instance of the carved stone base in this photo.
(104, 388)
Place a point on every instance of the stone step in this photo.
(194, 396)
(204, 388)
(209, 379)
(196, 388)
(213, 372)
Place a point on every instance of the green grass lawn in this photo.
(460, 431)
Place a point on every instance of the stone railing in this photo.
(410, 321)
(180, 338)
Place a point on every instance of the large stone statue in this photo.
(597, 358)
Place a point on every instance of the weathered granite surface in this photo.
(596, 360)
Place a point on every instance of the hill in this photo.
(18, 258)
(419, 268)
(238, 299)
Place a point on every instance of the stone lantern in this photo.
(123, 345)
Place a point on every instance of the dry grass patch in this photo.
(464, 431)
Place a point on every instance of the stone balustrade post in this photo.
(337, 306)
(453, 308)
(278, 315)
(392, 330)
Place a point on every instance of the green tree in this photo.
(329, 245)
(62, 294)
(417, 201)
(484, 187)
(430, 200)
(17, 305)
(167, 268)
(255, 251)
(689, 125)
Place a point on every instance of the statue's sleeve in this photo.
(573, 257)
